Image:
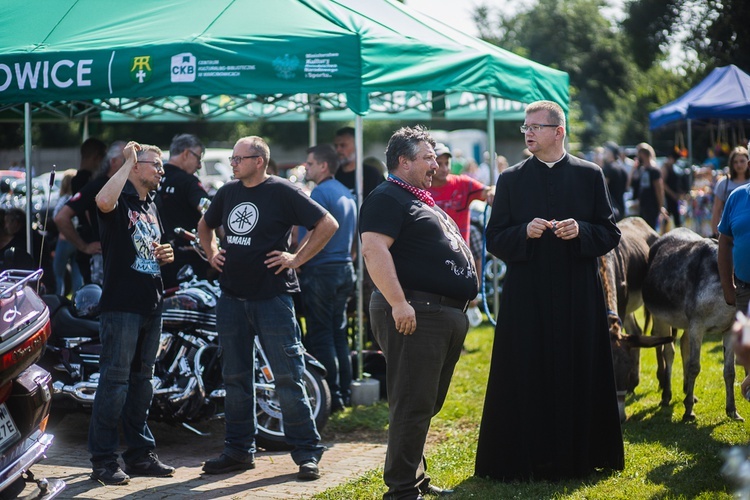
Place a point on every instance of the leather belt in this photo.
(426, 297)
(739, 283)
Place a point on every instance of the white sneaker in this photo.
(474, 315)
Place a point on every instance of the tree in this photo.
(571, 35)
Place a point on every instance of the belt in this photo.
(426, 297)
(739, 283)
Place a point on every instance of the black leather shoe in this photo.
(225, 464)
(434, 490)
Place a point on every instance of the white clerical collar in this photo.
(551, 164)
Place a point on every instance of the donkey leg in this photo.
(729, 377)
(691, 368)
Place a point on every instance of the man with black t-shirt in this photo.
(257, 212)
(344, 144)
(181, 198)
(81, 209)
(130, 321)
(425, 277)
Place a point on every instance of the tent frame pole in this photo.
(27, 159)
(359, 181)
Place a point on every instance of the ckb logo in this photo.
(183, 67)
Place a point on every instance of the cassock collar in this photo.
(552, 164)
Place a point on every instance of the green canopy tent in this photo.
(74, 57)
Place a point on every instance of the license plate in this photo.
(8, 431)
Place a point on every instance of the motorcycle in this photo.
(25, 388)
(188, 385)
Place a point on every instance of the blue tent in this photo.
(723, 94)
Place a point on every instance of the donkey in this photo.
(683, 291)
(623, 271)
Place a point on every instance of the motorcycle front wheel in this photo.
(268, 411)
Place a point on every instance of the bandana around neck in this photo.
(422, 195)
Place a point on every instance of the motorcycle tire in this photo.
(270, 435)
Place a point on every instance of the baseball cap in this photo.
(442, 149)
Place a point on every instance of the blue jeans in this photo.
(326, 289)
(65, 252)
(238, 322)
(126, 366)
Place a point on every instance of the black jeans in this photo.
(419, 368)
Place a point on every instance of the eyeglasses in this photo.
(537, 127)
(197, 156)
(157, 164)
(237, 159)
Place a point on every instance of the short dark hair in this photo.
(324, 153)
(345, 131)
(405, 142)
(93, 148)
(182, 142)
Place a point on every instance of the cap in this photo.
(442, 149)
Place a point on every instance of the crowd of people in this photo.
(280, 252)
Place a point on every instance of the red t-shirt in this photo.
(454, 198)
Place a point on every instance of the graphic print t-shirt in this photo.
(258, 220)
(132, 276)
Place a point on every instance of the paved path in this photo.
(273, 477)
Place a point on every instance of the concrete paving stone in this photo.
(273, 478)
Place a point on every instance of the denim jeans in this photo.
(419, 368)
(65, 252)
(238, 322)
(326, 289)
(126, 366)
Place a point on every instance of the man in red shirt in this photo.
(454, 193)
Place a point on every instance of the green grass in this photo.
(664, 457)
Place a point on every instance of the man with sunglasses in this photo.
(181, 197)
(130, 321)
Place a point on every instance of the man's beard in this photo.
(343, 161)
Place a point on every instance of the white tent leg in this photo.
(359, 181)
(27, 159)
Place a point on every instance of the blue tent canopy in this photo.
(723, 94)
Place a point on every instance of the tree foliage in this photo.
(621, 72)
(571, 35)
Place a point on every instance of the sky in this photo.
(457, 13)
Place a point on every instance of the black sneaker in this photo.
(226, 463)
(308, 471)
(149, 465)
(109, 473)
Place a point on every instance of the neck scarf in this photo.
(421, 194)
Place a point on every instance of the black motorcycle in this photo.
(188, 386)
(25, 388)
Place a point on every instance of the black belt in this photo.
(426, 297)
(741, 284)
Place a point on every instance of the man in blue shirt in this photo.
(734, 248)
(327, 280)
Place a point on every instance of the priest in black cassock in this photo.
(550, 411)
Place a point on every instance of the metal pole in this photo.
(27, 159)
(493, 177)
(359, 181)
(690, 141)
(312, 120)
